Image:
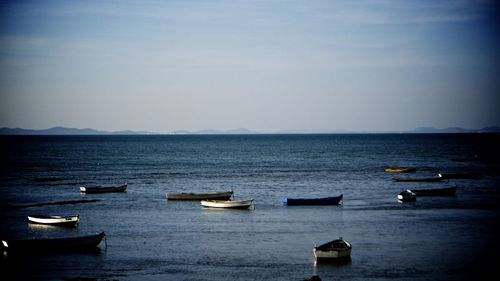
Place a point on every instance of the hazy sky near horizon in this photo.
(262, 65)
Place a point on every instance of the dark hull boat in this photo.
(337, 200)
(470, 175)
(200, 196)
(54, 244)
(54, 220)
(449, 191)
(432, 179)
(407, 196)
(103, 189)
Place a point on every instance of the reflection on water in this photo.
(53, 265)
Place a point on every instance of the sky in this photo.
(268, 66)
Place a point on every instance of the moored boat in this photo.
(448, 191)
(54, 244)
(228, 204)
(338, 249)
(467, 175)
(103, 189)
(336, 200)
(200, 196)
(54, 220)
(400, 170)
(430, 179)
(407, 196)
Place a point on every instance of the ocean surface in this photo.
(151, 238)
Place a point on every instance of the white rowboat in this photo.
(229, 204)
(338, 249)
(55, 220)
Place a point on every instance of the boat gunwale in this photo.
(229, 201)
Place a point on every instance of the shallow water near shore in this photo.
(151, 238)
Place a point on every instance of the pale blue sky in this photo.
(263, 65)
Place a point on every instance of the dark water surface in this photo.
(150, 238)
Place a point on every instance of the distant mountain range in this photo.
(67, 131)
(431, 130)
(240, 131)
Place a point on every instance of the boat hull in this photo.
(400, 170)
(335, 250)
(55, 220)
(471, 175)
(200, 196)
(434, 179)
(407, 196)
(337, 200)
(449, 191)
(243, 204)
(54, 244)
(332, 255)
(103, 189)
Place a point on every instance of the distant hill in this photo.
(450, 130)
(240, 131)
(66, 131)
(88, 131)
(491, 129)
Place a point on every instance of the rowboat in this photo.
(337, 200)
(200, 196)
(55, 220)
(431, 179)
(338, 249)
(448, 191)
(469, 175)
(400, 170)
(228, 204)
(407, 196)
(54, 244)
(103, 189)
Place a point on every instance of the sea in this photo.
(151, 238)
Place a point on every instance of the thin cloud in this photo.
(405, 12)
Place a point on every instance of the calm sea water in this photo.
(151, 238)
